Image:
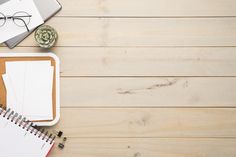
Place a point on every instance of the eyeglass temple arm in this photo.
(23, 16)
(14, 17)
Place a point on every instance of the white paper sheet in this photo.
(16, 70)
(10, 30)
(11, 95)
(29, 88)
(38, 93)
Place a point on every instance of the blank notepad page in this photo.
(16, 141)
(29, 86)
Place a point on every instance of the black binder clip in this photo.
(58, 133)
(62, 144)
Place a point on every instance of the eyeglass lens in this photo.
(2, 19)
(20, 17)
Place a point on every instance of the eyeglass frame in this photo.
(16, 18)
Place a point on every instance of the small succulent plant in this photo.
(46, 36)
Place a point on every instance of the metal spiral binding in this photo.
(25, 124)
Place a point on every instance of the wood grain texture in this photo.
(141, 32)
(153, 78)
(147, 122)
(147, 147)
(145, 91)
(148, 8)
(107, 61)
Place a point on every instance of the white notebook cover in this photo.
(47, 8)
(19, 139)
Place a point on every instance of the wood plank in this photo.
(148, 8)
(146, 147)
(97, 61)
(148, 91)
(148, 122)
(143, 32)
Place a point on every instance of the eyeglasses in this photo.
(21, 19)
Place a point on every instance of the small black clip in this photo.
(62, 144)
(58, 133)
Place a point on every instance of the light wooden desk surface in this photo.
(146, 78)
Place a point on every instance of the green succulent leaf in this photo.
(46, 36)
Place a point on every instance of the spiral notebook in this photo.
(19, 138)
